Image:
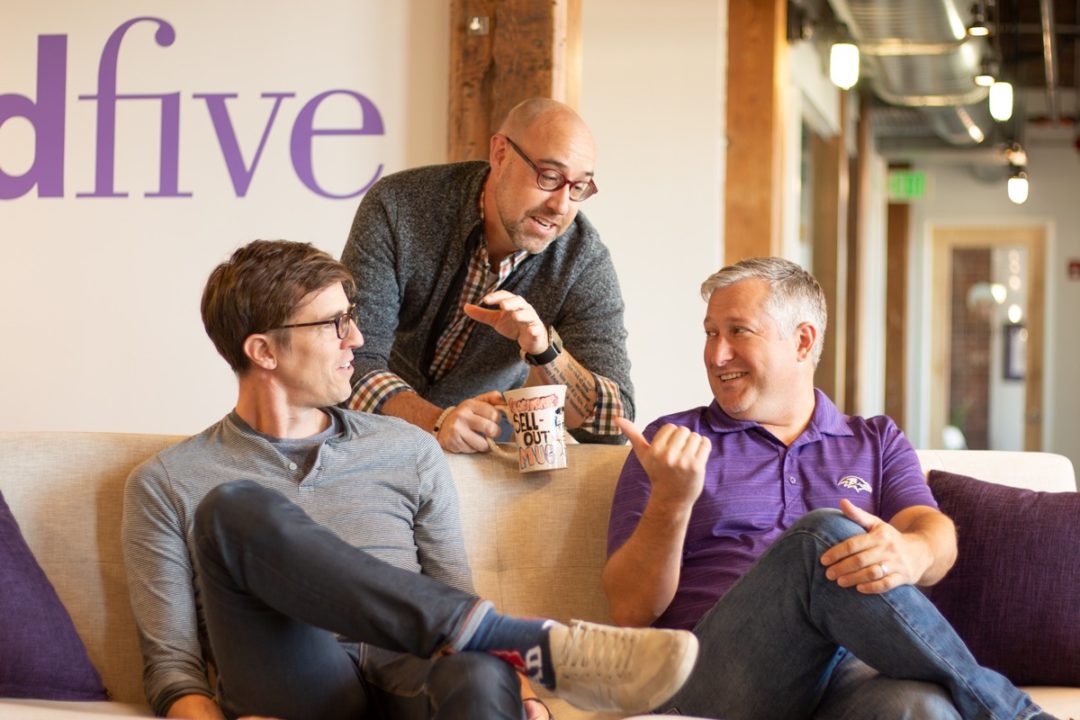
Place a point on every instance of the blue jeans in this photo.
(277, 590)
(783, 643)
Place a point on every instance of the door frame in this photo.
(944, 239)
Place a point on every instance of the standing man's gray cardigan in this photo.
(408, 242)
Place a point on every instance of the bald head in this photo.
(553, 132)
(539, 111)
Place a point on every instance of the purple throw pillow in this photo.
(1014, 593)
(41, 655)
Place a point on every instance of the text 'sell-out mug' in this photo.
(536, 414)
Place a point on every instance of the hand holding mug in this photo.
(536, 415)
(469, 426)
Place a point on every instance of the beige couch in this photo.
(536, 542)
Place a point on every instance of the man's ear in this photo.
(260, 351)
(497, 150)
(806, 334)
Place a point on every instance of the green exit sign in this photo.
(905, 185)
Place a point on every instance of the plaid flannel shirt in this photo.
(378, 386)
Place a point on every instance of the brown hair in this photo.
(259, 288)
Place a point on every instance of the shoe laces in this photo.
(598, 652)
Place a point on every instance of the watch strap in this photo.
(553, 349)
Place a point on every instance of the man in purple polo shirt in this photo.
(790, 537)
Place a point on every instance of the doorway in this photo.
(987, 310)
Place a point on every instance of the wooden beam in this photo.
(898, 227)
(1033, 388)
(829, 175)
(757, 51)
(858, 211)
(502, 52)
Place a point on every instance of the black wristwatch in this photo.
(553, 349)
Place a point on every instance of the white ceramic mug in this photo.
(536, 415)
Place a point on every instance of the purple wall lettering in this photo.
(226, 134)
(106, 117)
(304, 133)
(47, 115)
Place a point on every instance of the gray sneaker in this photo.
(612, 669)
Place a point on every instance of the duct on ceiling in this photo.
(917, 54)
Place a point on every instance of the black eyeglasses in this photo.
(552, 180)
(340, 323)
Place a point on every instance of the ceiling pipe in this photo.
(921, 58)
(900, 46)
(1049, 57)
(971, 97)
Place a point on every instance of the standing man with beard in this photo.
(479, 277)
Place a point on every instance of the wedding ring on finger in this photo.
(884, 569)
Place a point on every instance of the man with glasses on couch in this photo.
(314, 554)
(790, 537)
(478, 277)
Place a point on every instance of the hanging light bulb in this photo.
(978, 27)
(844, 63)
(1001, 101)
(1018, 187)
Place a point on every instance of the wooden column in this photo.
(858, 210)
(757, 51)
(502, 52)
(829, 162)
(898, 227)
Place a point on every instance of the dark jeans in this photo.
(779, 645)
(276, 587)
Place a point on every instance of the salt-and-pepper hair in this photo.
(795, 296)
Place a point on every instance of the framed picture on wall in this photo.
(1015, 360)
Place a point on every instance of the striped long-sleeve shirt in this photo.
(381, 485)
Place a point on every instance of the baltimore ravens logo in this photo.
(854, 482)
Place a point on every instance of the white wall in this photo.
(871, 310)
(100, 316)
(653, 92)
(957, 198)
(100, 295)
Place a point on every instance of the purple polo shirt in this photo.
(756, 487)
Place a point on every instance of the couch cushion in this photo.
(1015, 589)
(71, 485)
(536, 541)
(41, 655)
